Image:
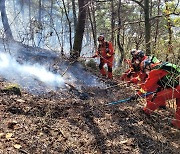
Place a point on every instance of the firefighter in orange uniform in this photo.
(142, 75)
(106, 54)
(134, 72)
(163, 79)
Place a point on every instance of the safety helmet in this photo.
(133, 51)
(140, 54)
(146, 64)
(101, 38)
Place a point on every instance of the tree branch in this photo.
(139, 3)
(102, 1)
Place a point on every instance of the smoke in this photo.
(29, 76)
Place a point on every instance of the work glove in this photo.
(133, 98)
(108, 55)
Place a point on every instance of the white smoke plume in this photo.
(28, 75)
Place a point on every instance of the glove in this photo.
(108, 55)
(133, 98)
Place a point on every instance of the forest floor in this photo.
(62, 122)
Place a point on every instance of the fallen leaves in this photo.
(20, 101)
(2, 135)
(9, 136)
(17, 146)
(12, 124)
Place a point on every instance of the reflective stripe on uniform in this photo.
(138, 78)
(142, 91)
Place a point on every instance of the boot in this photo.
(150, 107)
(103, 72)
(110, 75)
(176, 121)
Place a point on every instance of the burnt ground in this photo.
(75, 122)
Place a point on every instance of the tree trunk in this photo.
(51, 14)
(118, 35)
(157, 26)
(69, 23)
(7, 29)
(94, 22)
(169, 31)
(92, 27)
(112, 21)
(40, 24)
(147, 27)
(74, 13)
(30, 28)
(75, 53)
(147, 24)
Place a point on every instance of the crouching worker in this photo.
(134, 69)
(106, 54)
(141, 78)
(163, 79)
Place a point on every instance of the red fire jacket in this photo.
(105, 52)
(151, 82)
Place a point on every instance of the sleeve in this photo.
(111, 52)
(135, 80)
(151, 82)
(96, 54)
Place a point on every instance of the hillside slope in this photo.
(74, 118)
(62, 122)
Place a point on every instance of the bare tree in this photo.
(91, 12)
(74, 13)
(167, 15)
(7, 29)
(118, 34)
(75, 53)
(112, 20)
(69, 24)
(145, 7)
(157, 25)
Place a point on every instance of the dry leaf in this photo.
(11, 124)
(20, 100)
(40, 134)
(2, 107)
(140, 122)
(1, 135)
(17, 146)
(9, 135)
(125, 141)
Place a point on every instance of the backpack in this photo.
(171, 79)
(153, 59)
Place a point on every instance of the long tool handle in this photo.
(128, 99)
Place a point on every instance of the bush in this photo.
(92, 64)
(12, 89)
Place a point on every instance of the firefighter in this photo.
(163, 78)
(134, 66)
(141, 55)
(142, 75)
(106, 54)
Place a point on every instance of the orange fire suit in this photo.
(106, 54)
(157, 100)
(133, 71)
(142, 76)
